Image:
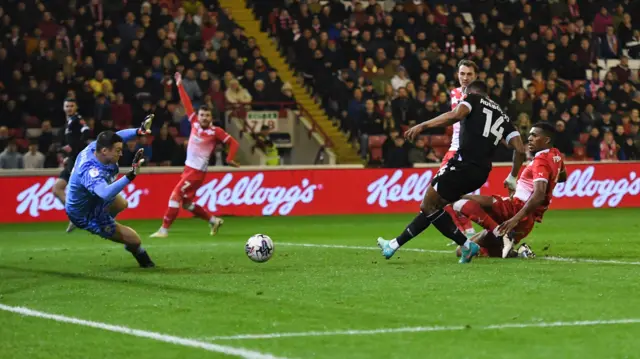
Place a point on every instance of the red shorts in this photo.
(504, 208)
(447, 156)
(190, 180)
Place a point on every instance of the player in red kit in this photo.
(532, 196)
(467, 73)
(202, 141)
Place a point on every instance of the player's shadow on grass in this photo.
(125, 281)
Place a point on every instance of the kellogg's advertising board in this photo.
(316, 192)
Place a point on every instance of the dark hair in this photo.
(479, 87)
(106, 139)
(69, 99)
(547, 129)
(204, 108)
(468, 63)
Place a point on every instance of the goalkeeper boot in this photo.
(71, 227)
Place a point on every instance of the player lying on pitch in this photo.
(526, 206)
(93, 198)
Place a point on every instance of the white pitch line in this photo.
(193, 343)
(556, 259)
(339, 246)
(581, 323)
(586, 260)
(159, 245)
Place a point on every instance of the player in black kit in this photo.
(76, 135)
(484, 125)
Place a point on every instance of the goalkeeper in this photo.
(92, 193)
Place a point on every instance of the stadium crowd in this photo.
(377, 66)
(381, 66)
(117, 59)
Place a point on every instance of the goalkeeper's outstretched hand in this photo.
(145, 128)
(138, 160)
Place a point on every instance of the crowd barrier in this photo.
(312, 190)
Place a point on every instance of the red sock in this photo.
(465, 223)
(169, 216)
(201, 213)
(474, 212)
(454, 217)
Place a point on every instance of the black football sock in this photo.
(417, 226)
(141, 255)
(444, 223)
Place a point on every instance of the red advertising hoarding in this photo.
(316, 191)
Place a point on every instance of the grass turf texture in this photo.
(206, 287)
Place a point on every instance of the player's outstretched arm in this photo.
(184, 97)
(444, 120)
(144, 129)
(110, 191)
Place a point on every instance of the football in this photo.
(259, 248)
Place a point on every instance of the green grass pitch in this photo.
(205, 289)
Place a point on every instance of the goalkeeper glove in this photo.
(138, 160)
(145, 128)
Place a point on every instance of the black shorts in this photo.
(65, 174)
(457, 179)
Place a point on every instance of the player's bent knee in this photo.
(457, 206)
(127, 235)
(188, 206)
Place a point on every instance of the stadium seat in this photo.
(16, 132)
(32, 122)
(22, 143)
(375, 147)
(634, 64)
(583, 138)
(440, 141)
(440, 151)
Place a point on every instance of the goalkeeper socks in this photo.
(417, 226)
(141, 255)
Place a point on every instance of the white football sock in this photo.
(394, 244)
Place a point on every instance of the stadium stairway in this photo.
(346, 154)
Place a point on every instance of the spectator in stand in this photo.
(593, 144)
(33, 159)
(191, 85)
(563, 140)
(4, 137)
(421, 153)
(121, 113)
(236, 95)
(10, 158)
(630, 150)
(397, 156)
(608, 148)
(370, 124)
